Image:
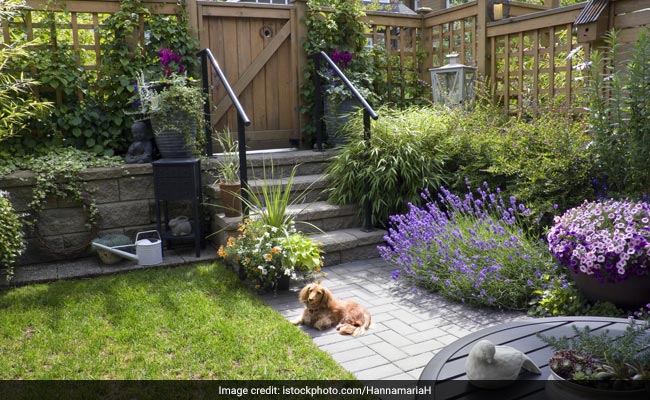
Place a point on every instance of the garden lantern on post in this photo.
(453, 84)
(498, 9)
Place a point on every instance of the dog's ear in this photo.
(327, 296)
(304, 294)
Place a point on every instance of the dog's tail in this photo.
(356, 328)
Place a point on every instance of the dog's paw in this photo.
(297, 321)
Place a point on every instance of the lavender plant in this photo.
(609, 240)
(469, 248)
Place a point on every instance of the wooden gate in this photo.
(252, 44)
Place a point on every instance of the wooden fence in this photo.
(525, 56)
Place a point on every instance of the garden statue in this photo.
(141, 150)
(489, 366)
(180, 226)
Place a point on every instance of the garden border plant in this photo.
(58, 174)
(470, 248)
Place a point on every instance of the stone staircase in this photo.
(338, 227)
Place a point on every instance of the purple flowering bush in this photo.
(609, 240)
(469, 248)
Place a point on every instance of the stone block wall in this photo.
(124, 197)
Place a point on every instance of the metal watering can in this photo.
(147, 251)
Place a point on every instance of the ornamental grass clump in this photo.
(605, 239)
(469, 248)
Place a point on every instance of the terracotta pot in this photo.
(230, 201)
(630, 293)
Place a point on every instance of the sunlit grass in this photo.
(193, 322)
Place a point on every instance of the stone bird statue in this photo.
(490, 366)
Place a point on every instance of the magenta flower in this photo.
(170, 62)
(342, 58)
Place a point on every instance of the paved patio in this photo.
(410, 325)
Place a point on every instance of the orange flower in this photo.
(231, 242)
(247, 260)
(268, 257)
(275, 250)
(221, 252)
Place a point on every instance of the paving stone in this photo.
(417, 361)
(416, 373)
(388, 351)
(422, 347)
(423, 336)
(395, 338)
(348, 356)
(360, 364)
(431, 324)
(400, 327)
(344, 345)
(381, 372)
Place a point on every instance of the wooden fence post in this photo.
(298, 35)
(426, 43)
(483, 56)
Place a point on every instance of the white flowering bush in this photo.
(266, 253)
(605, 239)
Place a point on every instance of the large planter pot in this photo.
(171, 141)
(336, 116)
(230, 200)
(630, 293)
(558, 388)
(284, 283)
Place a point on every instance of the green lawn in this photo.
(191, 322)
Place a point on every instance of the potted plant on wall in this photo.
(174, 106)
(228, 174)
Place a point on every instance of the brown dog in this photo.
(323, 311)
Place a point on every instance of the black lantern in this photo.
(498, 9)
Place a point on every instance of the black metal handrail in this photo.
(368, 113)
(242, 121)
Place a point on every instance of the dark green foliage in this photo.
(11, 235)
(619, 108)
(543, 161)
(90, 105)
(404, 157)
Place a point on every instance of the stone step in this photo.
(308, 162)
(304, 188)
(315, 217)
(345, 245)
(320, 216)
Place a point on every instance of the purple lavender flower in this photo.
(468, 247)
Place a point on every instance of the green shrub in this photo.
(619, 109)
(404, 156)
(544, 160)
(11, 235)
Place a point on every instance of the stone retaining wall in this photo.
(124, 197)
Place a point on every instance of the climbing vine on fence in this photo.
(90, 102)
